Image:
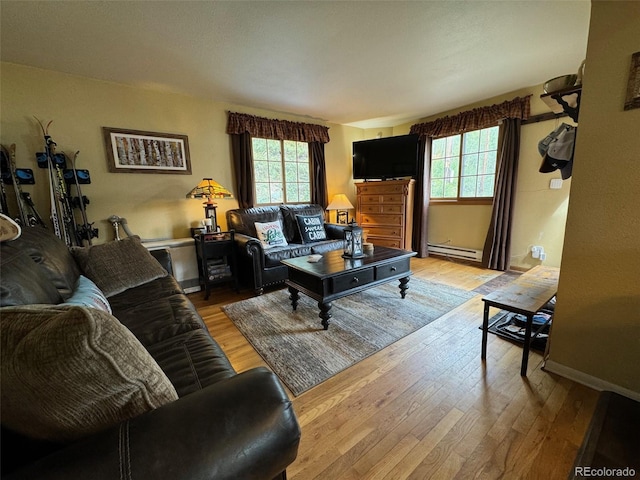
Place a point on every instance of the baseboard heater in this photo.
(456, 252)
(184, 261)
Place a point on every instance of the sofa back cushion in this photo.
(24, 281)
(118, 265)
(289, 212)
(68, 372)
(53, 255)
(243, 220)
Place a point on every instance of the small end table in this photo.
(216, 259)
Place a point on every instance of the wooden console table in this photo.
(526, 295)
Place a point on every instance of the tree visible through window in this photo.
(281, 171)
(463, 166)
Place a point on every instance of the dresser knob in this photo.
(355, 280)
(393, 269)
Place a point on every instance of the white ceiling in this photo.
(368, 64)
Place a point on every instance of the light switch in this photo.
(555, 184)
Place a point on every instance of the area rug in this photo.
(303, 354)
(497, 282)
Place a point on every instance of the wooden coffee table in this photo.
(334, 277)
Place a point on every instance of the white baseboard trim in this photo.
(588, 380)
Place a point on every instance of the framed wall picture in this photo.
(633, 87)
(135, 151)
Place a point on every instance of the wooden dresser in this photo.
(385, 211)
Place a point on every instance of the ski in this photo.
(23, 218)
(4, 166)
(34, 213)
(55, 193)
(86, 230)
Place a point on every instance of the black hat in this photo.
(557, 150)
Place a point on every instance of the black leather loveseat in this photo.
(217, 424)
(260, 267)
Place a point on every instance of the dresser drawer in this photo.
(383, 232)
(380, 219)
(380, 189)
(378, 199)
(349, 280)
(385, 242)
(381, 208)
(373, 208)
(388, 208)
(392, 269)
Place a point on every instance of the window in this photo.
(281, 171)
(463, 167)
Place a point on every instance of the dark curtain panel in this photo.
(243, 167)
(319, 192)
(497, 247)
(421, 201)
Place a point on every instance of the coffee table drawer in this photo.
(349, 280)
(391, 269)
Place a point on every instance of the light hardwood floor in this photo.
(427, 407)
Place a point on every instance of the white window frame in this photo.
(259, 174)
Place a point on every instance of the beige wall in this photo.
(540, 213)
(153, 204)
(596, 330)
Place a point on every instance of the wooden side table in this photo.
(216, 259)
(526, 295)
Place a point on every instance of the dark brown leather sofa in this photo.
(223, 425)
(260, 268)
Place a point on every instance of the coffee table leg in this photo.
(324, 313)
(294, 296)
(403, 286)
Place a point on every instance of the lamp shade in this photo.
(209, 188)
(339, 202)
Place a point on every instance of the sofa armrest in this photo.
(250, 246)
(335, 231)
(241, 427)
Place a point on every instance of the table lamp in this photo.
(342, 205)
(209, 189)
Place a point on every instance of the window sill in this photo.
(456, 201)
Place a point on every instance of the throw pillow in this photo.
(69, 372)
(311, 228)
(119, 265)
(87, 294)
(270, 234)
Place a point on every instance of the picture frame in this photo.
(137, 151)
(633, 87)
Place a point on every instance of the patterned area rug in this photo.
(303, 354)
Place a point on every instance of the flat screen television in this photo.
(385, 158)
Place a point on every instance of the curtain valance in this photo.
(475, 119)
(239, 123)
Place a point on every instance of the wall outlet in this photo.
(555, 184)
(537, 251)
